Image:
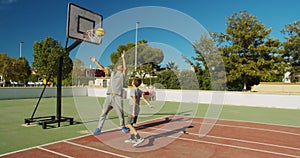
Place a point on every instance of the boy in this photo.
(135, 95)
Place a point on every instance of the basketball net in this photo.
(91, 35)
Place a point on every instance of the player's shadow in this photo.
(164, 121)
(184, 113)
(152, 138)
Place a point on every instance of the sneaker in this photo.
(97, 131)
(125, 130)
(138, 141)
(130, 141)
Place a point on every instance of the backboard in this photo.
(82, 24)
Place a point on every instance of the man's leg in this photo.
(117, 104)
(106, 108)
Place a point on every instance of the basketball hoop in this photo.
(82, 24)
(90, 35)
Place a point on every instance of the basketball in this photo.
(100, 32)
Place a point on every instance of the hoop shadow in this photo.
(152, 138)
(164, 121)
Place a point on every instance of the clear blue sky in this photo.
(34, 20)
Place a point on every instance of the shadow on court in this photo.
(163, 121)
(184, 113)
(152, 138)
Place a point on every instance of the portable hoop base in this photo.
(45, 120)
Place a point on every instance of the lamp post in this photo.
(21, 48)
(136, 36)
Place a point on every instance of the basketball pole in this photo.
(74, 11)
(59, 77)
(44, 120)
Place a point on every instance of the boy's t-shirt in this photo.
(138, 94)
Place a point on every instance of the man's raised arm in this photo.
(93, 59)
(124, 62)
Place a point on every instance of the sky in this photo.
(170, 25)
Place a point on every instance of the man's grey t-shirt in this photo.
(116, 83)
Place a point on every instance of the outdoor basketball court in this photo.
(172, 136)
(165, 138)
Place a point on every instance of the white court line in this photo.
(239, 147)
(54, 152)
(232, 146)
(95, 149)
(238, 140)
(252, 142)
(243, 121)
(14, 152)
(245, 127)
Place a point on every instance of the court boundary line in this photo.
(234, 139)
(243, 121)
(232, 146)
(245, 127)
(54, 152)
(252, 142)
(95, 149)
(254, 128)
(244, 148)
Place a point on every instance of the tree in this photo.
(171, 66)
(148, 59)
(14, 69)
(6, 67)
(45, 64)
(168, 79)
(145, 69)
(115, 56)
(145, 54)
(292, 47)
(188, 80)
(78, 74)
(209, 65)
(249, 54)
(22, 70)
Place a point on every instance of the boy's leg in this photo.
(134, 135)
(135, 121)
(137, 111)
(131, 120)
(132, 131)
(139, 140)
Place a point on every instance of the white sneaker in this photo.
(129, 141)
(138, 141)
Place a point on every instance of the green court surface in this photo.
(16, 135)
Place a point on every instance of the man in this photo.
(114, 94)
